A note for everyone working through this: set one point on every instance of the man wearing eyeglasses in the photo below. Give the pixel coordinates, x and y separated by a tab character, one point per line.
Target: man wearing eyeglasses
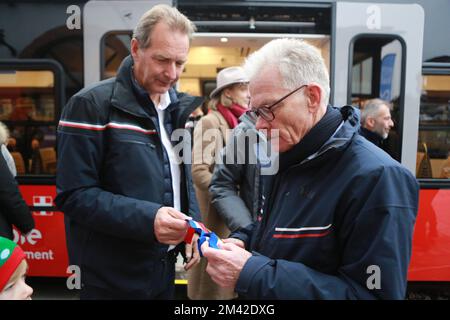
338	216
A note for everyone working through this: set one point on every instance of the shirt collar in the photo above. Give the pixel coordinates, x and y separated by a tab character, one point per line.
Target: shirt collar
164	101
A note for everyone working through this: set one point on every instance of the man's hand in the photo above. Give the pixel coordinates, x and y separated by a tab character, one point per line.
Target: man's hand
170	226
237	242
192	253
225	265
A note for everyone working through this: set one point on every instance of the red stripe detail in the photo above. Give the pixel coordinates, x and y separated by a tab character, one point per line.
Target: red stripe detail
304	235
114	126
72	125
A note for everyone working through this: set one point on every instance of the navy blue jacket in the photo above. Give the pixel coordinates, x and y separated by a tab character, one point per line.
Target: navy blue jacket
112	177
335	220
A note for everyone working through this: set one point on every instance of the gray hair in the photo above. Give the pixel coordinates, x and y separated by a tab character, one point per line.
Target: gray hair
4	134
161	12
224	100
298	62
371	108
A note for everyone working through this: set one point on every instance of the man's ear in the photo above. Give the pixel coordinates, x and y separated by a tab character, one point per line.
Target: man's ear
134	48
314	95
370	123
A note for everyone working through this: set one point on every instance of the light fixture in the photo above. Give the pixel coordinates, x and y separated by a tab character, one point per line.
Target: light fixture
223	39
251	23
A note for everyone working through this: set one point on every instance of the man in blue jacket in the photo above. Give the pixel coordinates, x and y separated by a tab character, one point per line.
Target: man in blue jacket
338	216
120	183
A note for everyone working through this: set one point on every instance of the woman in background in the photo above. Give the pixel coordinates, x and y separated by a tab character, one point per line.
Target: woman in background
228	102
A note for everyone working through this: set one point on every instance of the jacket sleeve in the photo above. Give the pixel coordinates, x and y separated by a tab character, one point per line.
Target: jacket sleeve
376	240
81	152
224	190
244	234
13	205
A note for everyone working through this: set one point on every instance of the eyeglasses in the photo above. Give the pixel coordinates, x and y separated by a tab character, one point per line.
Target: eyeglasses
265	111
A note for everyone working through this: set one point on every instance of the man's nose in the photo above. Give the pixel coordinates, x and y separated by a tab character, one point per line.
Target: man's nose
171	71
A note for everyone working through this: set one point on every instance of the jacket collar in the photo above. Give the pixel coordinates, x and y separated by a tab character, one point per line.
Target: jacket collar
344	120
344	134
373	137
130	97
313	140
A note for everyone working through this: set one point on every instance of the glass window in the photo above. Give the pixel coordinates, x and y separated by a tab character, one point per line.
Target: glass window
115	46
27	107
376	72
433	157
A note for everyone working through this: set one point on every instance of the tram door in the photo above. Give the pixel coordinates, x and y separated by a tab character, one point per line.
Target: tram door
378	54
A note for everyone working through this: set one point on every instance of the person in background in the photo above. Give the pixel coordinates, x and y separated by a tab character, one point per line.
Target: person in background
228	102
235	184
338	216
193	119
13	269
13	208
376	121
4	140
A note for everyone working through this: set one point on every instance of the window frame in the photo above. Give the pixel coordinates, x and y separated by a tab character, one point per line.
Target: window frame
431	69
59	98
401	103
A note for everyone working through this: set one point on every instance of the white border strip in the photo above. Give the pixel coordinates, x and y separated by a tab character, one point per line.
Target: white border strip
302	229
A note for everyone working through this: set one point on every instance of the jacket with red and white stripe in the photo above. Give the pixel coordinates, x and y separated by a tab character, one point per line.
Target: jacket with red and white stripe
112	177
336	225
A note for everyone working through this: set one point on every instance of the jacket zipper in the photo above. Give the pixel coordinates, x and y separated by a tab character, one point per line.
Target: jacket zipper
151	145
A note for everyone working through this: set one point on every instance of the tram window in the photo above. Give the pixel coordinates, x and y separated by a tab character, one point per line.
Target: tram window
27	107
433	152
115	47
376	72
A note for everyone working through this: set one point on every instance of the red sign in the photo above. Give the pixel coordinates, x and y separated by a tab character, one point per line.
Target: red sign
45	246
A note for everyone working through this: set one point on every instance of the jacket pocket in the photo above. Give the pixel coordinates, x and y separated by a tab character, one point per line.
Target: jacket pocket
149	144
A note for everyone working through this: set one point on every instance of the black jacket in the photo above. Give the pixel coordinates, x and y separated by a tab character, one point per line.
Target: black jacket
373	137
112	178
234	187
13	209
333	223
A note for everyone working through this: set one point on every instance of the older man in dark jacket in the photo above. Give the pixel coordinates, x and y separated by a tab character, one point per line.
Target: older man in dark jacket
338	217
120	184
